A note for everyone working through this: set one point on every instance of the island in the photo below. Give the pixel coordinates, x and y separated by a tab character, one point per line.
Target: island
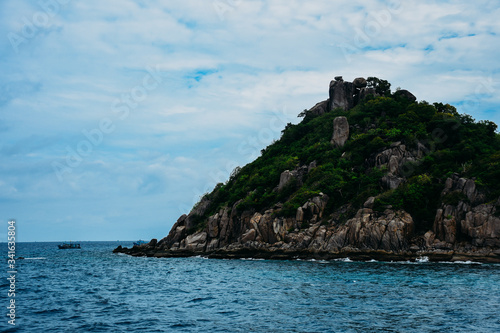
368	174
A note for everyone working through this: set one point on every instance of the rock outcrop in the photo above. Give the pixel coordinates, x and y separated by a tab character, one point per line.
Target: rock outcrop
319	109
359	82
340	131
346	95
405	94
341	94
395	159
464	217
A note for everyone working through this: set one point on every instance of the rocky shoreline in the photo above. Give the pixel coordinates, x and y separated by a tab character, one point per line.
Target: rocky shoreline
479	256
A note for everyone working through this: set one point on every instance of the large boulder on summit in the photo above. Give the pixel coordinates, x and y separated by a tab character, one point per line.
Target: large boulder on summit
359	82
341	95
340	131
405	94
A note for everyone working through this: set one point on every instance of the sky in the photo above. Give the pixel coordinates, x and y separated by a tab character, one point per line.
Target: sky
117	116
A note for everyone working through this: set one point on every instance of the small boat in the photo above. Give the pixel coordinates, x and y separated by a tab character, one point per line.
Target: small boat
140	242
64	246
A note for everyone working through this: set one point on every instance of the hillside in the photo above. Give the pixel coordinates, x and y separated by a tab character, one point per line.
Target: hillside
369	174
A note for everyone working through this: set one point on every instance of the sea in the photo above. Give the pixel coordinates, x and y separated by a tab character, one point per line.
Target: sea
93	290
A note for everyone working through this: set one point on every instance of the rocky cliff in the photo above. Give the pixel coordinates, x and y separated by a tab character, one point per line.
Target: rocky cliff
466	223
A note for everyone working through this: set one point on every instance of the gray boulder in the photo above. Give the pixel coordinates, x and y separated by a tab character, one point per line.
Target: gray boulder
359	82
340	131
341	95
406	94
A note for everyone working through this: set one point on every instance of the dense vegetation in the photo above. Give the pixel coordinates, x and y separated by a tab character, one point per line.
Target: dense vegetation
454	143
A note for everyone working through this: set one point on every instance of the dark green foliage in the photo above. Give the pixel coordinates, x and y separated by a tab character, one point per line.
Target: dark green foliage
454	198
382	87
450	143
199	223
419	196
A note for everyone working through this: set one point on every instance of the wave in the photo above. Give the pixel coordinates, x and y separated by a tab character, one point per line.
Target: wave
422	259
343	259
36	258
253	259
460	262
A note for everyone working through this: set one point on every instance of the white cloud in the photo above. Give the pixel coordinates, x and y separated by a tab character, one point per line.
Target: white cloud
225	76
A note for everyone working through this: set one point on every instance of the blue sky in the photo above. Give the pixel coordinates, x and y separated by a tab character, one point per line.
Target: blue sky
116	116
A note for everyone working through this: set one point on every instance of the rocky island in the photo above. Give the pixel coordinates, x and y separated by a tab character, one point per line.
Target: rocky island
367	174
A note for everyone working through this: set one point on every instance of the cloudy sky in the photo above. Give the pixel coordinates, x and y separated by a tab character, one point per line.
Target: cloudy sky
117	115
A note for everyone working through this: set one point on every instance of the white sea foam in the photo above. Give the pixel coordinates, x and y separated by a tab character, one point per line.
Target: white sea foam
468	262
343	259
422	259
36	258
252	259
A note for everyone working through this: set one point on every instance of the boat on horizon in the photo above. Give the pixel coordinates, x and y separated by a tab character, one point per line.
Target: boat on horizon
70	245
140	242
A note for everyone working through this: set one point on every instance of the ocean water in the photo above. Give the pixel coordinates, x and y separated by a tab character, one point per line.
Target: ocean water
94	290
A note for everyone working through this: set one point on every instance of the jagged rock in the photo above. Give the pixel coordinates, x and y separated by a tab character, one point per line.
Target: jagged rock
469	190
395	159
429	238
311	166
213	226
406	94
482	226
153	242
318	240
319	109
213	245
393	164
390	232
300	215
340	131
225	225
285	178
201	207
338	78
176	234
369	202
248	236
266	227
391	182
297	175
196	241
359	82
365	92
445	225
341	95
466	217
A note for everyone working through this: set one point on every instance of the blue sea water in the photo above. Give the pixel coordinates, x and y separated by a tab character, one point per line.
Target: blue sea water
94	290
